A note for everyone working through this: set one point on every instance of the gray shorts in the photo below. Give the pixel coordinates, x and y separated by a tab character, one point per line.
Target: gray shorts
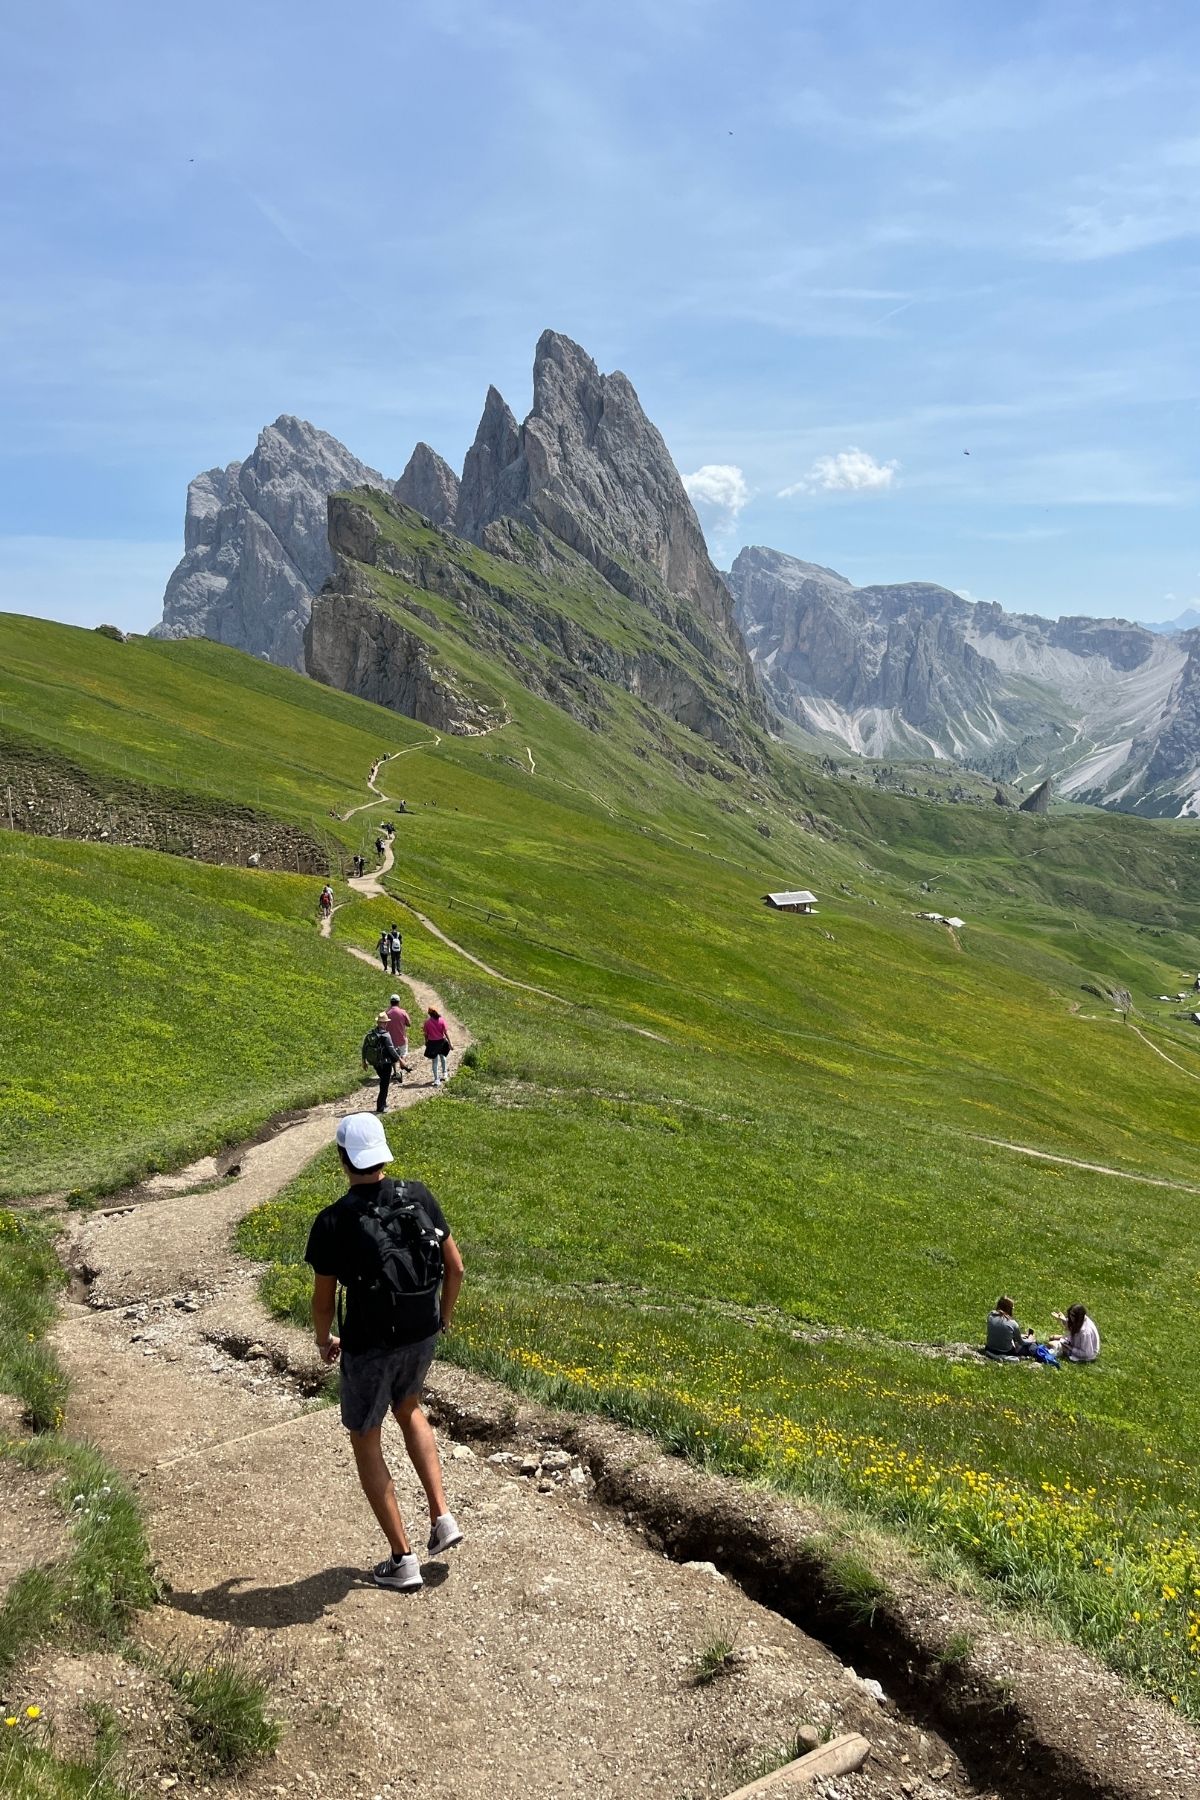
373	1381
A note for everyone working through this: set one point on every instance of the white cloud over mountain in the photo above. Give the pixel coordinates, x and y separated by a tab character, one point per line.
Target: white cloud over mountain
851	471
718	484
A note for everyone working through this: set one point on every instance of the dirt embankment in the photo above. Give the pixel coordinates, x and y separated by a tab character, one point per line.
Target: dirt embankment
52	797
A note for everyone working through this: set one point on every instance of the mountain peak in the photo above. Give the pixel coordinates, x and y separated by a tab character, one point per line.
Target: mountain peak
429	485
255	543
587	467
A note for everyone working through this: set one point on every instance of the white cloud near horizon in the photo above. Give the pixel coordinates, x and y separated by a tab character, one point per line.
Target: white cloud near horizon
851	471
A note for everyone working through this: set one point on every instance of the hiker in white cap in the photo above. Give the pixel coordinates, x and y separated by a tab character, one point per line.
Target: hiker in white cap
387	1245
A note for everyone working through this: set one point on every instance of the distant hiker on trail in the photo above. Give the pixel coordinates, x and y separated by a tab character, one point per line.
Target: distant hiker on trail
437	1044
1004	1335
1081	1341
383	949
379	846
326	900
396	948
398	1024
359	865
388	1245
379	1053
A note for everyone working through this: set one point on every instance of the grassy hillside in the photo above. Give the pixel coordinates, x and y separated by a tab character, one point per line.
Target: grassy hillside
737	1228
194	716
155	1009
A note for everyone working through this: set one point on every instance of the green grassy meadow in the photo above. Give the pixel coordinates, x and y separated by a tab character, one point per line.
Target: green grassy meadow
154	1009
738	1230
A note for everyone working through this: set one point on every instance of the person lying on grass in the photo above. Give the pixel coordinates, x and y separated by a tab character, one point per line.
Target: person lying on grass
1004	1335
388	1246
1081	1341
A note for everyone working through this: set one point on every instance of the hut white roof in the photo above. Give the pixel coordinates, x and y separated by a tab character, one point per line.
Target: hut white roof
801	897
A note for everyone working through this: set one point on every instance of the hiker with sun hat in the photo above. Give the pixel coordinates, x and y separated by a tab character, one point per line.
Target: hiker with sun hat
386	1244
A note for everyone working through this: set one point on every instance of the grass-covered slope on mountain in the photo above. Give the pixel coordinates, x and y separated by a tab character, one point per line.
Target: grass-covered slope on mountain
192	716
539	615
735	1228
155	1009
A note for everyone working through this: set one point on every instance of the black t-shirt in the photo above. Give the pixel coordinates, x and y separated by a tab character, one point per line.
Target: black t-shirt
339	1246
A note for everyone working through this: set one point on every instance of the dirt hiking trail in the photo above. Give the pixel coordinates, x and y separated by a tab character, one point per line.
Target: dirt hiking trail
549	1656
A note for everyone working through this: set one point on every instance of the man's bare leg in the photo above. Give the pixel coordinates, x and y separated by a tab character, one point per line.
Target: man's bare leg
422	1449
376	1479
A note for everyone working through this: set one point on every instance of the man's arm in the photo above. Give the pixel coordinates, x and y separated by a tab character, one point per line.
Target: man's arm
324	1295
452	1278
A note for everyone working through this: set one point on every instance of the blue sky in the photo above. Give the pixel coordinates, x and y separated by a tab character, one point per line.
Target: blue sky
834	247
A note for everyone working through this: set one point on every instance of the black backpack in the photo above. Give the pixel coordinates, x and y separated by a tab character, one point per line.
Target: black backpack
382	1054
411	1262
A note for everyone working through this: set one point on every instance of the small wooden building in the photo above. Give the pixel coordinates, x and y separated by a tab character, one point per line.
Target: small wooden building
801	901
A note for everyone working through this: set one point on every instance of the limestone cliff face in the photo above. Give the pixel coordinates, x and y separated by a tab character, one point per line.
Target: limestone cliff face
588	468
353	643
255	544
429	485
1110	708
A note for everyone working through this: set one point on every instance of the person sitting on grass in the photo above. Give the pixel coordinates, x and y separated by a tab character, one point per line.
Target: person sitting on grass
1081	1341
389	1246
1004	1335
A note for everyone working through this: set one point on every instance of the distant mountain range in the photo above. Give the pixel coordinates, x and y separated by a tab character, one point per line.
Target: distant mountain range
584	494
1110	709
1186	621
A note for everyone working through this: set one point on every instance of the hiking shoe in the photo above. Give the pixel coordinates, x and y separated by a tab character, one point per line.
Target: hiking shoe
403	1572
445	1534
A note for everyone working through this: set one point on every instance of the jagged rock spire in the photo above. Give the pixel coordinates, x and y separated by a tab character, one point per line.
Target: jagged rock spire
429	485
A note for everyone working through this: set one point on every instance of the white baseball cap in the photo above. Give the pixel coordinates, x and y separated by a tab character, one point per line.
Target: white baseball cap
361	1136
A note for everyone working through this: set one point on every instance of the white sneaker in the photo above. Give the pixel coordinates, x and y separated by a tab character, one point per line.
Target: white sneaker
445	1534
403	1572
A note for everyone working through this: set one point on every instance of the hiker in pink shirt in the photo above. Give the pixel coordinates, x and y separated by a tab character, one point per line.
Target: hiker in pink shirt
398	1024
437	1044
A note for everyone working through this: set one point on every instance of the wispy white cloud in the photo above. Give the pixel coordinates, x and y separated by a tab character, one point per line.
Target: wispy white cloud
851	471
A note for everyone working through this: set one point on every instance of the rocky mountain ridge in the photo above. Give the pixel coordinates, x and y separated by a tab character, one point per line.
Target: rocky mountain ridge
583	494
256	547
588	469
1110	708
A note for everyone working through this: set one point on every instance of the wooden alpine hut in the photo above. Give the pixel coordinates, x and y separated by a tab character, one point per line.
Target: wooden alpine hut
800	901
